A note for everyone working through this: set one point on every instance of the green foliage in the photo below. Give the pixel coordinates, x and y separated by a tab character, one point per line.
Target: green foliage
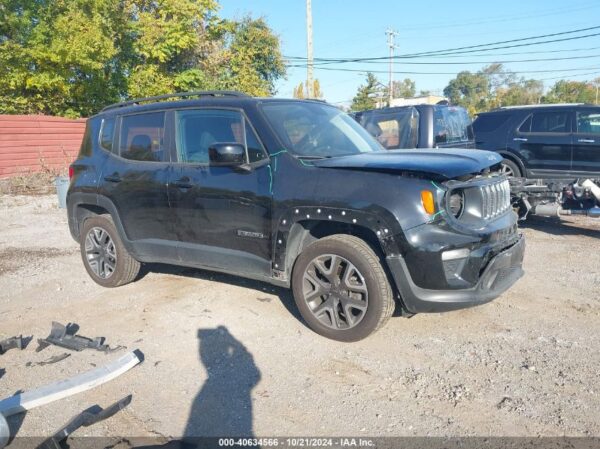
565	91
72	57
470	90
404	89
366	96
493	86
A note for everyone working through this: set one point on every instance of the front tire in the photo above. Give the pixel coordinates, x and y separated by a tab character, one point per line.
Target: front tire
104	256
341	288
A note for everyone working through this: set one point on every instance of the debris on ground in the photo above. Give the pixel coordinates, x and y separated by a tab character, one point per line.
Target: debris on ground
64	388
14	343
86	418
65	337
50	361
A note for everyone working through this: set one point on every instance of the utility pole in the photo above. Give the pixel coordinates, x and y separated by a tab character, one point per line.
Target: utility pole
391	34
309	50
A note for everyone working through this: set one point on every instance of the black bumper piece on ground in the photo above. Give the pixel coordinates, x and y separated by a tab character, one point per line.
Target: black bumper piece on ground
499	275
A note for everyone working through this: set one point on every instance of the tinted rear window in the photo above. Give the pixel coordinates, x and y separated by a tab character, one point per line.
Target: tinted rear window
450	124
142	137
488	123
397	129
546	122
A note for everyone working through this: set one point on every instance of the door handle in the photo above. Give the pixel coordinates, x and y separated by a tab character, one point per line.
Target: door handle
520	139
115	177
183	183
586	140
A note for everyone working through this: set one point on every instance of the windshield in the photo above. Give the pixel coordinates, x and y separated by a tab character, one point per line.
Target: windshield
317	130
450	124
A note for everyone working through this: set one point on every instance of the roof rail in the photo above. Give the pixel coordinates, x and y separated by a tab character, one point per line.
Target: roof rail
541	105
201	93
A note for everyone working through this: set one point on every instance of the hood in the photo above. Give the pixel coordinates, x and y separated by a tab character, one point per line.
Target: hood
445	163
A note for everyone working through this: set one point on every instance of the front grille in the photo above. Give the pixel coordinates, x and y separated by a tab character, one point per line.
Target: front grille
495	199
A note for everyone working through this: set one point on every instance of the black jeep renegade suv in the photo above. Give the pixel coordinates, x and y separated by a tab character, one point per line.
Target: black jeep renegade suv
295	193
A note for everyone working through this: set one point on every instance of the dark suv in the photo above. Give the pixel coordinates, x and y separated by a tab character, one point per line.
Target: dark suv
543	141
419	126
297	194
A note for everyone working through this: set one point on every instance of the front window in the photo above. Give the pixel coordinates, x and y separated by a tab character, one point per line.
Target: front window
588	122
316	130
198	129
450	124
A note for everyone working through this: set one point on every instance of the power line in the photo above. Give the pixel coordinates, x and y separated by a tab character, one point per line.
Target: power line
471	48
341	69
472	62
445	25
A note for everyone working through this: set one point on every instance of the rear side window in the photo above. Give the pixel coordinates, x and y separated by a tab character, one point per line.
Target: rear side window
489	122
393	130
142	137
198	129
546	122
450	124
588	122
107	133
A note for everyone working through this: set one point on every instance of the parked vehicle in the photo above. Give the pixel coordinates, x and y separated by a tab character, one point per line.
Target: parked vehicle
419	126
556	148
543	141
295	193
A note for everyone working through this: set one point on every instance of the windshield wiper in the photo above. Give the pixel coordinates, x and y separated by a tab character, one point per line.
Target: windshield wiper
313	157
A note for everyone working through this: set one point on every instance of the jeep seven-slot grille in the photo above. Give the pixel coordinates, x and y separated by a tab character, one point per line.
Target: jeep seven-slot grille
495	199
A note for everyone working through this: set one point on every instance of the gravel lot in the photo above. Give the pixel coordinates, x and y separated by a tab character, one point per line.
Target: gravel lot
227	355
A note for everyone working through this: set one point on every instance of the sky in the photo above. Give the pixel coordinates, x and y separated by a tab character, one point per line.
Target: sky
351	29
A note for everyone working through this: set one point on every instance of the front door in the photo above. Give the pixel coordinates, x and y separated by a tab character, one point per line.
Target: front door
134	178
222	214
586	145
544	143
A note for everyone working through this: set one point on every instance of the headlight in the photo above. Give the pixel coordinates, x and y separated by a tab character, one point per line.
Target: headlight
456	203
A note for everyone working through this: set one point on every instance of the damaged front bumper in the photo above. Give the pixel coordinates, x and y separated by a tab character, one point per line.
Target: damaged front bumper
500	273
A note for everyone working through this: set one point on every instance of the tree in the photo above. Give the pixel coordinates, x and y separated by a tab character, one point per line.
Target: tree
365	97
565	91
71	57
404	89
519	93
301	92
470	90
254	57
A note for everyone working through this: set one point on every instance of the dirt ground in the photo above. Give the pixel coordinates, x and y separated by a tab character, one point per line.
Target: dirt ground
225	355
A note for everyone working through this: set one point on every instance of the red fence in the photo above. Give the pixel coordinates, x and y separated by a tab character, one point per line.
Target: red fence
30	143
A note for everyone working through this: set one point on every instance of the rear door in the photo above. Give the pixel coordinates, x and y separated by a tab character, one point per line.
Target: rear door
544	141
135	178
586	145
222	214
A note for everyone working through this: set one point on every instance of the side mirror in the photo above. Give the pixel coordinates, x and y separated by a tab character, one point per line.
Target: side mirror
227	154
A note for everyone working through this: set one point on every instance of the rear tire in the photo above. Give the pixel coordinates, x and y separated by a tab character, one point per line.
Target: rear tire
341	288
510	169
104	256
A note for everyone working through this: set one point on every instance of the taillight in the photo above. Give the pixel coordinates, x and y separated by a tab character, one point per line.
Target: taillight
71	172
